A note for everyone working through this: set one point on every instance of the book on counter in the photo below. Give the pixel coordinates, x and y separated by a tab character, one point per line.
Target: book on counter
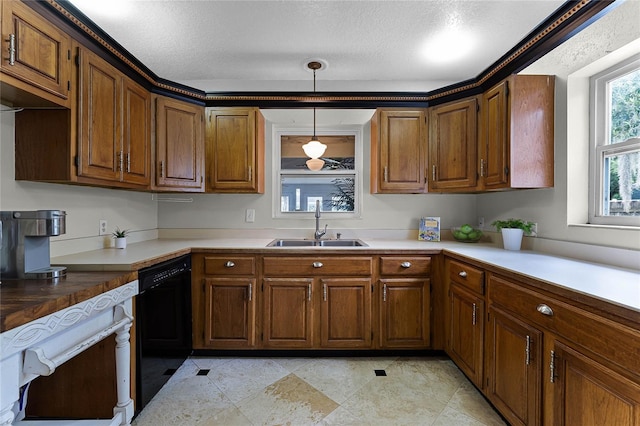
429	229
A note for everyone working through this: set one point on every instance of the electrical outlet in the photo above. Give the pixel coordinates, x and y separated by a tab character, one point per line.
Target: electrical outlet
481	222
534	230
103	227
250	215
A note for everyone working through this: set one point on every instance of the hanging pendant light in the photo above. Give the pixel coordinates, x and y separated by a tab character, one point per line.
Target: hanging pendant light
314	148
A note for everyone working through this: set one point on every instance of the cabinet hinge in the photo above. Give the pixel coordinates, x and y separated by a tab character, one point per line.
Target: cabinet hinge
78	60
372	288
506	171
506	88
75	161
68	85
68	54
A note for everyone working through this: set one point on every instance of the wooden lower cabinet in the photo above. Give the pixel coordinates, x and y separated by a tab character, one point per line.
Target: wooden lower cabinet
587	393
405	309
287	313
514	368
466	332
345	313
223	301
230	312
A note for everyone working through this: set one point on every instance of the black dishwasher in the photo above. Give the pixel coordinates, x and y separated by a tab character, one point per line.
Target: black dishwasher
163	325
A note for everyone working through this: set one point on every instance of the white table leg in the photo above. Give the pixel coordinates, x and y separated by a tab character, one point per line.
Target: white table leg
123	371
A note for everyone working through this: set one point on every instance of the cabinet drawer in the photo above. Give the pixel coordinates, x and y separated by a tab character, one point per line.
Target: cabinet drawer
604	337
229	265
405	265
317	265
467	276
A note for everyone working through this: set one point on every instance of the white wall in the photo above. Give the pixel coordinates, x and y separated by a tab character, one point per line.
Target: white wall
379	212
549	207
400	213
85	206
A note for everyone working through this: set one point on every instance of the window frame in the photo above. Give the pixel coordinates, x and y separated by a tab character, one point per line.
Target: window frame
599	148
357	172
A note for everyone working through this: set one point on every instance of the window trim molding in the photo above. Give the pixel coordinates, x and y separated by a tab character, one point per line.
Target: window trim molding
356	131
598	135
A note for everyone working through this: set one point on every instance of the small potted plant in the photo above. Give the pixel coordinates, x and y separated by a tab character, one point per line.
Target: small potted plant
120	235
512	231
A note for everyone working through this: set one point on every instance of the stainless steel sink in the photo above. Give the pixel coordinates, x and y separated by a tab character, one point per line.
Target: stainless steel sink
342	243
313	243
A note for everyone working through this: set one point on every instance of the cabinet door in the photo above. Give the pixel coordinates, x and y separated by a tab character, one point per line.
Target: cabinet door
179	145
514	370
235	150
41	52
453	145
494	152
100	138
466	332
405	313
345	313
399	145
136	134
588	393
229	313
288	309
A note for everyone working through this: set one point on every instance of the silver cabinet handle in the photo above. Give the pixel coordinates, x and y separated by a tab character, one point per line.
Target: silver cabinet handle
12	49
229	264
433	172
406	264
463	274
386	176
250	173
481	167
552	367
128	162
309	292
384	292
527	351
317	264
545	310
162	168
250	292
324	292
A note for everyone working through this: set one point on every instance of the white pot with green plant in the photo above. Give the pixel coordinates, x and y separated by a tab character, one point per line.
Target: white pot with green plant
120	237
512	231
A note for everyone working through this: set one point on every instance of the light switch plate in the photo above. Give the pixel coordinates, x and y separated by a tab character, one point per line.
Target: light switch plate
250	215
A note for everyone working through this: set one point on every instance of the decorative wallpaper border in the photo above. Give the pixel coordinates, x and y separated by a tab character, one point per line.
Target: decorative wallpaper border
525	47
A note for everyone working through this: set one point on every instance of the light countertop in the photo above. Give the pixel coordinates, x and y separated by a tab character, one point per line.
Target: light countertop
614	285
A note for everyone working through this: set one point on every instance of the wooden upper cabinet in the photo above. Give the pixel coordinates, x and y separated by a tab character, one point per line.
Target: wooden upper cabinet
99	108
517	134
398	151
179	146
114	134
136	134
35	54
453	145
235	150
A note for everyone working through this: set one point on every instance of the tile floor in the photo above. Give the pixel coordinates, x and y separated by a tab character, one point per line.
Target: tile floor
318	391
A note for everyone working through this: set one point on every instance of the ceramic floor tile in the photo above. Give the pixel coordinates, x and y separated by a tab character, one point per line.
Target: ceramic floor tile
396	400
318	391
184	401
452	417
338	378
468	400
287	401
243	377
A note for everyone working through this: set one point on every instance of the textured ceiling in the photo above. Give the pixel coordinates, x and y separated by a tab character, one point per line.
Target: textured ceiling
216	45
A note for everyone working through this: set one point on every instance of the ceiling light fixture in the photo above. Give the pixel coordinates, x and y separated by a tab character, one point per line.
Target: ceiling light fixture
314	148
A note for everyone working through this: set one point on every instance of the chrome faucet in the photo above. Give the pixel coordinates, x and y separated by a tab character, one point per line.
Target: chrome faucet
319	233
